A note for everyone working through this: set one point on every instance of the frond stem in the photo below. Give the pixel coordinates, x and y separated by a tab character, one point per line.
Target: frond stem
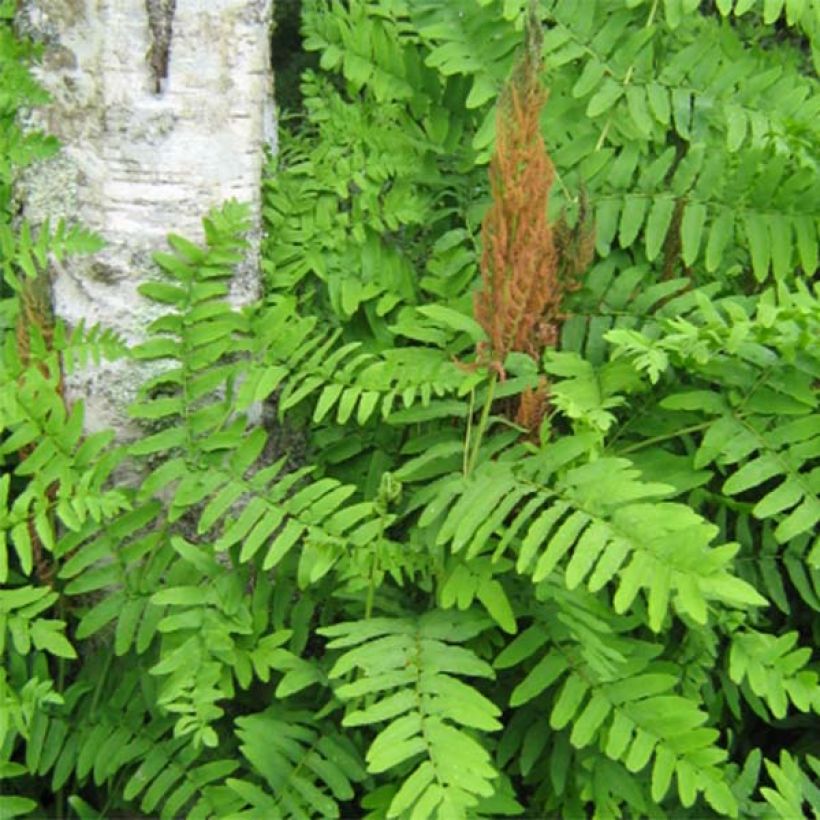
109	656
665	437
482	425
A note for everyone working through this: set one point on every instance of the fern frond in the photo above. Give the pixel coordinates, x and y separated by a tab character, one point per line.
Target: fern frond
775	670
793	788
409	670
739	345
617	696
121	739
363	46
65	474
342	380
612	526
479	45
304	767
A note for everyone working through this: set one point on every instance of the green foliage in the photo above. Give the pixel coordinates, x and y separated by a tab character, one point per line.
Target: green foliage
384	599
403	666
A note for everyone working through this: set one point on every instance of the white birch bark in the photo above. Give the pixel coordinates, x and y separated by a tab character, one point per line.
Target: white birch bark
144	155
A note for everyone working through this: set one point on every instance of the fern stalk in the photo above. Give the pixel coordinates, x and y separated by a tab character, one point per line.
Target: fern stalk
519	300
474	442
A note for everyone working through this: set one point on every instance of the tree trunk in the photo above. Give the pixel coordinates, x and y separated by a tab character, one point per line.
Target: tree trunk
163	108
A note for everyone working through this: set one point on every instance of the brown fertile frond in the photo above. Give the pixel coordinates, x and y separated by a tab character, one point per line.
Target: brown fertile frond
575	246
533	405
526	265
519	263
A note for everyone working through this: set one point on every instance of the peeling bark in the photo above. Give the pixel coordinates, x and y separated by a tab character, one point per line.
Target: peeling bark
164	108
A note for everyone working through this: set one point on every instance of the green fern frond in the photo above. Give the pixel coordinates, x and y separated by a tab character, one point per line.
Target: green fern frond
794	790
304	767
624	702
363	45
744	432
775	670
65	473
119	740
479	45
612	526
409	670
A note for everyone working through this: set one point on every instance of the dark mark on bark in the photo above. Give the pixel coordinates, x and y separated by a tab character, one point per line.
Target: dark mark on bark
161	27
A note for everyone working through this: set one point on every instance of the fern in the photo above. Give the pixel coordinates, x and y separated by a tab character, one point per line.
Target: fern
356	570
630	709
408	682
732	344
304	772
773	671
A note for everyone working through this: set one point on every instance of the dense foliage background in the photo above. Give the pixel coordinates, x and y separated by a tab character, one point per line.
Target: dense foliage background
579	578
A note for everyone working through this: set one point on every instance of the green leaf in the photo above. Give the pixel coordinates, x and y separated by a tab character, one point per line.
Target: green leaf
752	474
12	806
559	545
632	217
733	591
399	742
659	598
691	599
163	292
100	615
589	547
657	225
620	734
658	97
606	223
181	596
682	111
536	533
805	229
640	751
636	99
127	624
48	635
691	230
736	124
412	788
543	675
662	772
590	77
159	442
521	648
782	497
607	95
721	231
771	10
566	705
492	596
781	245
802	519
585	726
455	320
719	796
757	235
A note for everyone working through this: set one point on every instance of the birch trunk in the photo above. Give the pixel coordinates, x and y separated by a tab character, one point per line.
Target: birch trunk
163	109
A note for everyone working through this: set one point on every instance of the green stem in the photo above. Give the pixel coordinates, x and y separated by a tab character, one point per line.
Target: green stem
482	425
109	656
374	566
468	439
371	586
665	437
